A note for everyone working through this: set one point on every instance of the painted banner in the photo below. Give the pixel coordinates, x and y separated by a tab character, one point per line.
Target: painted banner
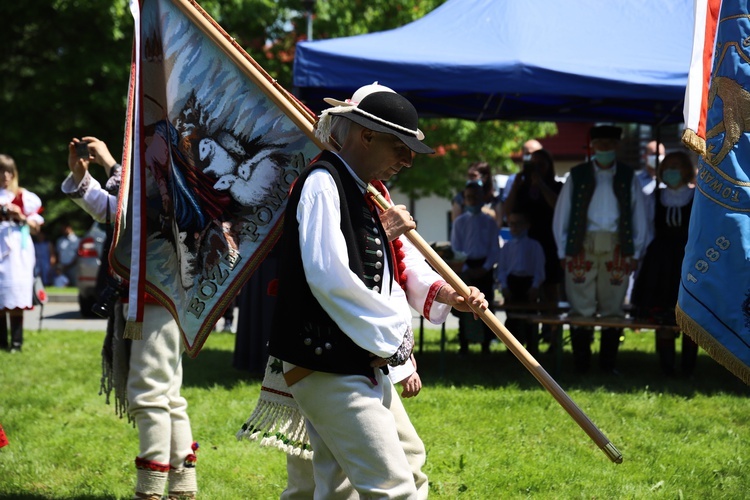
714	300
215	144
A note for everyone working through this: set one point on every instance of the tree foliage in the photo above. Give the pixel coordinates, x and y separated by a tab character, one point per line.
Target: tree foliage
65	67
66	63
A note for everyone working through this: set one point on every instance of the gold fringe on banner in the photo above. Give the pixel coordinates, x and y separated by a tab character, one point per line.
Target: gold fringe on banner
133	330
712	346
694	141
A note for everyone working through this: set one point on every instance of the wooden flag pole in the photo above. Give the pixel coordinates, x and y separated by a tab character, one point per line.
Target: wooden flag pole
503	334
304	119
299	114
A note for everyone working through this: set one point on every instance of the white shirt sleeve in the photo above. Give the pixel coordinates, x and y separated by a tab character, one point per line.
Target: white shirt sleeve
377	322
641	231
32	204
399	373
561	217
90	196
422	284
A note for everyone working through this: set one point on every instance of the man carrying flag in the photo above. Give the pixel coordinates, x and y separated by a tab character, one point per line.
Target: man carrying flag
350	318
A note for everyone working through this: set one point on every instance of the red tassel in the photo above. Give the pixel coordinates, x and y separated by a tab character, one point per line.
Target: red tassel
3	438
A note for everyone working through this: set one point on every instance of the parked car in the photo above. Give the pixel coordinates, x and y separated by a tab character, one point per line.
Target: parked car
89	260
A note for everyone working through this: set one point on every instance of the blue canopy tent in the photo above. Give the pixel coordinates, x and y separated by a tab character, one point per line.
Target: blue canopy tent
573	60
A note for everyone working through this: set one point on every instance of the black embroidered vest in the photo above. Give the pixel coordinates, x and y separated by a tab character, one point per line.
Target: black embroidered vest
302	332
584	182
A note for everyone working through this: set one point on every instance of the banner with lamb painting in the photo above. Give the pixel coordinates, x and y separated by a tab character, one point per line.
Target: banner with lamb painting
213	146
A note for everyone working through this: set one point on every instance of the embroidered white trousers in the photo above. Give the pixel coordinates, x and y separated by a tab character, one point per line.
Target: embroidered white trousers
354	436
301	482
154	382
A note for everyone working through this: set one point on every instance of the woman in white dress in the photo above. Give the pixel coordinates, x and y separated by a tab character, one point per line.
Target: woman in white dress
19	218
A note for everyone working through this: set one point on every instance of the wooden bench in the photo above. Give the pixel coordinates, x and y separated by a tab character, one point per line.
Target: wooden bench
556	314
563	319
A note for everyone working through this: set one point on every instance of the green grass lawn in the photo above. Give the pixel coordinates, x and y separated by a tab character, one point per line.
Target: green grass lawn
490	429
62	290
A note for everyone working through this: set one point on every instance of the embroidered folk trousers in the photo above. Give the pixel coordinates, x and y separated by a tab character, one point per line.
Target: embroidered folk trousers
154	382
354	436
596	282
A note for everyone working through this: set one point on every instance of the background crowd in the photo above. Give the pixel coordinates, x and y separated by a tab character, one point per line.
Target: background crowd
602	242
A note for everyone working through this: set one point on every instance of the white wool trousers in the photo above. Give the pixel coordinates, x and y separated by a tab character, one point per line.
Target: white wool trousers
154	382
597	279
300	478
354	436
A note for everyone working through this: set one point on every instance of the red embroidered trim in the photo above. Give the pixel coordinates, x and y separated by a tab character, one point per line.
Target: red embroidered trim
274	391
431	295
143	464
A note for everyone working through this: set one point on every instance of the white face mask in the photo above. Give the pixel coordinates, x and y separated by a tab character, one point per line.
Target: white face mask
526	157
651	160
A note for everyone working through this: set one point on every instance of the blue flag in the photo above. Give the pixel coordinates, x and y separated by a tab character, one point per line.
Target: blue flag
714	299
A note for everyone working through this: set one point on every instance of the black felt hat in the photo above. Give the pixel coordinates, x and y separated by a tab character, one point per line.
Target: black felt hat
389	113
605	132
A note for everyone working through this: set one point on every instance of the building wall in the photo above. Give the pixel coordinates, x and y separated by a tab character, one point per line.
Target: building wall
432	215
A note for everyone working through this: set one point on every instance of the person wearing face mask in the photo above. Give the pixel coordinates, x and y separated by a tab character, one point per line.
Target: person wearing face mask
656	287
529	147
481	173
457	203
535	194
520	272
600	228
647	175
474	233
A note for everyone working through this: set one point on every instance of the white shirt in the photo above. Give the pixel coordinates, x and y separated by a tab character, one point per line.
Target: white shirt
375	320
603	212
90	196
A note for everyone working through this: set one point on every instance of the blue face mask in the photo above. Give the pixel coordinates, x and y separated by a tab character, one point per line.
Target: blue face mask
605	157
473	209
671	178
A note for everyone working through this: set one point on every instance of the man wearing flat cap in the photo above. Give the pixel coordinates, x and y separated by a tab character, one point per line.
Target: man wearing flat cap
600	227
342	316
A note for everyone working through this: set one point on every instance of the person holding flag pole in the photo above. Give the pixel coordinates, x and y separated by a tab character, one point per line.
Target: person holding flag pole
375	150
335	263
145	374
276	421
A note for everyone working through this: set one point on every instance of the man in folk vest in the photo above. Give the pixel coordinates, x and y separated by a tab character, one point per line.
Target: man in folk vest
600	227
341	316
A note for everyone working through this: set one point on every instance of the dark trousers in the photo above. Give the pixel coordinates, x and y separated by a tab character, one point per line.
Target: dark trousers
581	338
665	347
229	313
525	332
16	331
485	284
